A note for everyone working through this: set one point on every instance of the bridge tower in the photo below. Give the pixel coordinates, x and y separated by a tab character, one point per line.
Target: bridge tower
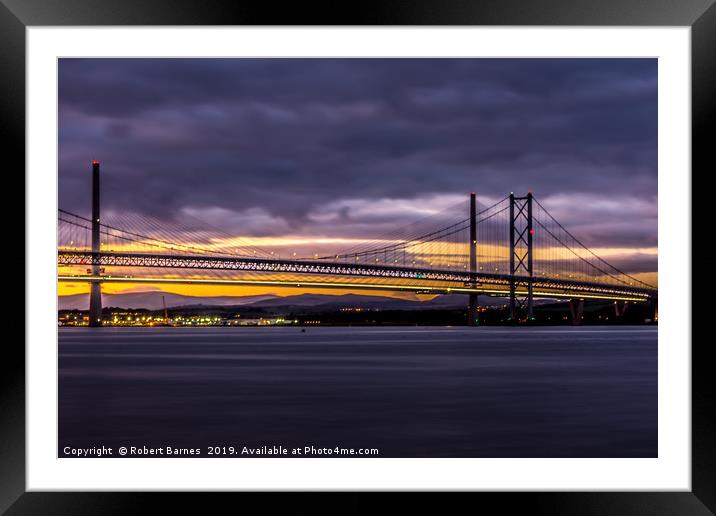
95	305
472	313
521	232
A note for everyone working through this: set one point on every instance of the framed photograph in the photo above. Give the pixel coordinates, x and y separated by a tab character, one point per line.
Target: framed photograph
422	252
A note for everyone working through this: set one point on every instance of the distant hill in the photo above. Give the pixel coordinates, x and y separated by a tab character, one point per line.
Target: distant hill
321	302
153	301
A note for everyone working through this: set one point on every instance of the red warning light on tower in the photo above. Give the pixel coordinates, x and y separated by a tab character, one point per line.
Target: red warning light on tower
95	162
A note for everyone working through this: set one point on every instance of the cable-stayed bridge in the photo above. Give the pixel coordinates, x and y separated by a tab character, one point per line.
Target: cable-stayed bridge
511	247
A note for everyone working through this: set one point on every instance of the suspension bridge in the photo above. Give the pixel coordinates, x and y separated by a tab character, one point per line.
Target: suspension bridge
510	247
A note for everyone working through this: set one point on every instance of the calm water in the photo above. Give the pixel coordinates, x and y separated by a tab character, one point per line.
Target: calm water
410	392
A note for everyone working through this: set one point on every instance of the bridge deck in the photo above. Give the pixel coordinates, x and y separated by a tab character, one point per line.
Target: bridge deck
346	274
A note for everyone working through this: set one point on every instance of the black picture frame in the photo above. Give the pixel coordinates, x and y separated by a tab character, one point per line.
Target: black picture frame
700	15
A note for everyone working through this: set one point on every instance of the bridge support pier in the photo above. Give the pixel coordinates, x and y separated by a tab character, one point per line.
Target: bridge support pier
619	309
654	309
473	318
95	305
576	307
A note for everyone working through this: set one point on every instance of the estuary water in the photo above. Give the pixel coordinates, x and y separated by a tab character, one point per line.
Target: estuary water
403	391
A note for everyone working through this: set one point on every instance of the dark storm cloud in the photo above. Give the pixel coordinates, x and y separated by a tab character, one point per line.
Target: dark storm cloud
281	139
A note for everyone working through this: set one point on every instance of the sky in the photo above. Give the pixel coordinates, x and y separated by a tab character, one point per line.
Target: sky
304	149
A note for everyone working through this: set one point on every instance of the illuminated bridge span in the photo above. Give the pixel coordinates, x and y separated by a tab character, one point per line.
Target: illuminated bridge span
511	247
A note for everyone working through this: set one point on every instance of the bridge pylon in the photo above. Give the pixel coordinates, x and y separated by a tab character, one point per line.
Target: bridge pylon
521	233
95	305
472	312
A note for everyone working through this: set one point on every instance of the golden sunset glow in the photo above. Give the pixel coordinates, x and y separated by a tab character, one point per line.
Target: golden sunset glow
65	288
